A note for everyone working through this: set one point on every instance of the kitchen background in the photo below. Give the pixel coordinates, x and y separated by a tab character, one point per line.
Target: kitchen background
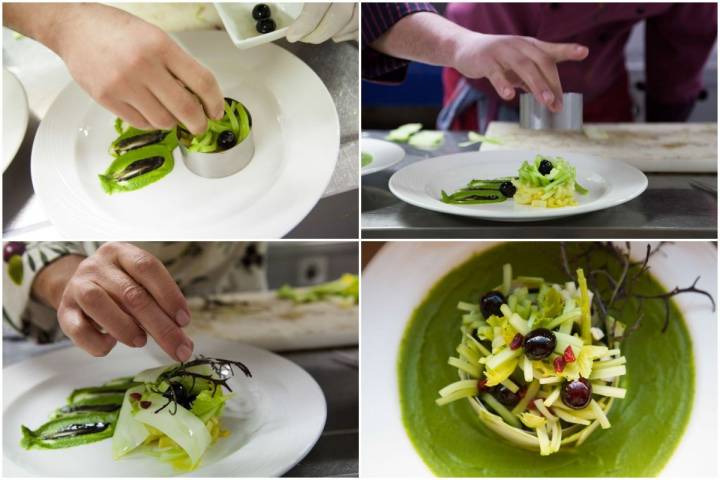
386	107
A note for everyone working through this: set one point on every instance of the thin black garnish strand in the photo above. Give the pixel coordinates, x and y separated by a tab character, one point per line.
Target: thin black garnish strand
610	293
221	367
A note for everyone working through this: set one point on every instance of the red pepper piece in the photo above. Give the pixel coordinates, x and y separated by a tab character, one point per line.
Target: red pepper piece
517	341
135	396
559	364
482	385
145	404
569	355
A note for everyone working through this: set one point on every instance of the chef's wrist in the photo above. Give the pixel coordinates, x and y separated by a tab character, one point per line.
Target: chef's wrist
456	48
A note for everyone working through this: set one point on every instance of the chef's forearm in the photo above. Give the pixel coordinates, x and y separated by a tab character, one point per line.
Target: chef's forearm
40	21
423	37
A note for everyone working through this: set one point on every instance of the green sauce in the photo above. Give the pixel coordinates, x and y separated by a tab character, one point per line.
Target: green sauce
646	425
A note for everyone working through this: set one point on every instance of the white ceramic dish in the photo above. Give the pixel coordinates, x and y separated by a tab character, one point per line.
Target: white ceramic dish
609	182
15	116
239	24
385	154
402	273
275	436
296	139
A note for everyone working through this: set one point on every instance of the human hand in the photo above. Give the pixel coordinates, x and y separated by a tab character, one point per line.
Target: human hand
318	22
121	293
134	69
510	61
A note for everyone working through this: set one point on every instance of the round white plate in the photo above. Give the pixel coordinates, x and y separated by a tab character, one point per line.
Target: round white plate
288	416
385	154
15	116
296	134
412	268
609	182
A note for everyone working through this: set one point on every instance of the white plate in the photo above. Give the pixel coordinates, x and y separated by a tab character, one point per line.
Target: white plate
399	278
239	24
296	134
610	183
385	154
15	116
287	420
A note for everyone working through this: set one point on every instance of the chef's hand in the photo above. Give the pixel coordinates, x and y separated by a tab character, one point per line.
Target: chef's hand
510	62
121	293
319	22
127	65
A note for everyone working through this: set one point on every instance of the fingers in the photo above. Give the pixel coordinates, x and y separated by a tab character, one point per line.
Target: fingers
182	104
152	275
310	17
198	79
128	113
562	52
76	326
530	74
154	111
98	306
548	68
142	307
501	84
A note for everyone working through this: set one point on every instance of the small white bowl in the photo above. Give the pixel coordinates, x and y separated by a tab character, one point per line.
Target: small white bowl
239	24
221	164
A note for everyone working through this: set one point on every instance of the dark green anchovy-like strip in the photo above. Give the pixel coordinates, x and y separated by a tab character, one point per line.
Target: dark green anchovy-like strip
70	431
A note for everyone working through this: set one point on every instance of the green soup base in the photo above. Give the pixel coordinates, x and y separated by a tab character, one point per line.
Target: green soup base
646	426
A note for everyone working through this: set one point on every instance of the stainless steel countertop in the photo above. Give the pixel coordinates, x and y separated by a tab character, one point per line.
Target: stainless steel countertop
669	208
336	452
43	76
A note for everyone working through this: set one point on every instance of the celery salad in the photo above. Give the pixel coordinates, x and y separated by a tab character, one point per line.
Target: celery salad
533	366
171	412
547	182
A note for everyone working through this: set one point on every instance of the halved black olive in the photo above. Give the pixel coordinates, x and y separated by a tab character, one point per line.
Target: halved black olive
491	302
140	167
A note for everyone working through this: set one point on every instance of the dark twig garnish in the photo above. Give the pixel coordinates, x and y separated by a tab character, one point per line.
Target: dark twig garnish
176	392
614	282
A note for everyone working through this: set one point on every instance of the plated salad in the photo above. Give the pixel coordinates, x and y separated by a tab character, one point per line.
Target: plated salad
142	157
547	182
171	412
532	365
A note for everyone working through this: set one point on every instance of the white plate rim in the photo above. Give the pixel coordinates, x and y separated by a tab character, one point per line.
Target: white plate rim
486	211
72	354
14	141
89	223
376	142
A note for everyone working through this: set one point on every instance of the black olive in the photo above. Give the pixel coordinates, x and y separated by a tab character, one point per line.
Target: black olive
545	167
577	393
11	249
505	396
226	140
539	343
265	26
507	189
261	11
490	304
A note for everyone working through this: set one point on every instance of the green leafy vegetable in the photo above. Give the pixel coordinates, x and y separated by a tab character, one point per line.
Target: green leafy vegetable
137	168
346	287
404	132
427	140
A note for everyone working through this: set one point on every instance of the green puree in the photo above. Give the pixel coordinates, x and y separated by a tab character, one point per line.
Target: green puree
646	425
